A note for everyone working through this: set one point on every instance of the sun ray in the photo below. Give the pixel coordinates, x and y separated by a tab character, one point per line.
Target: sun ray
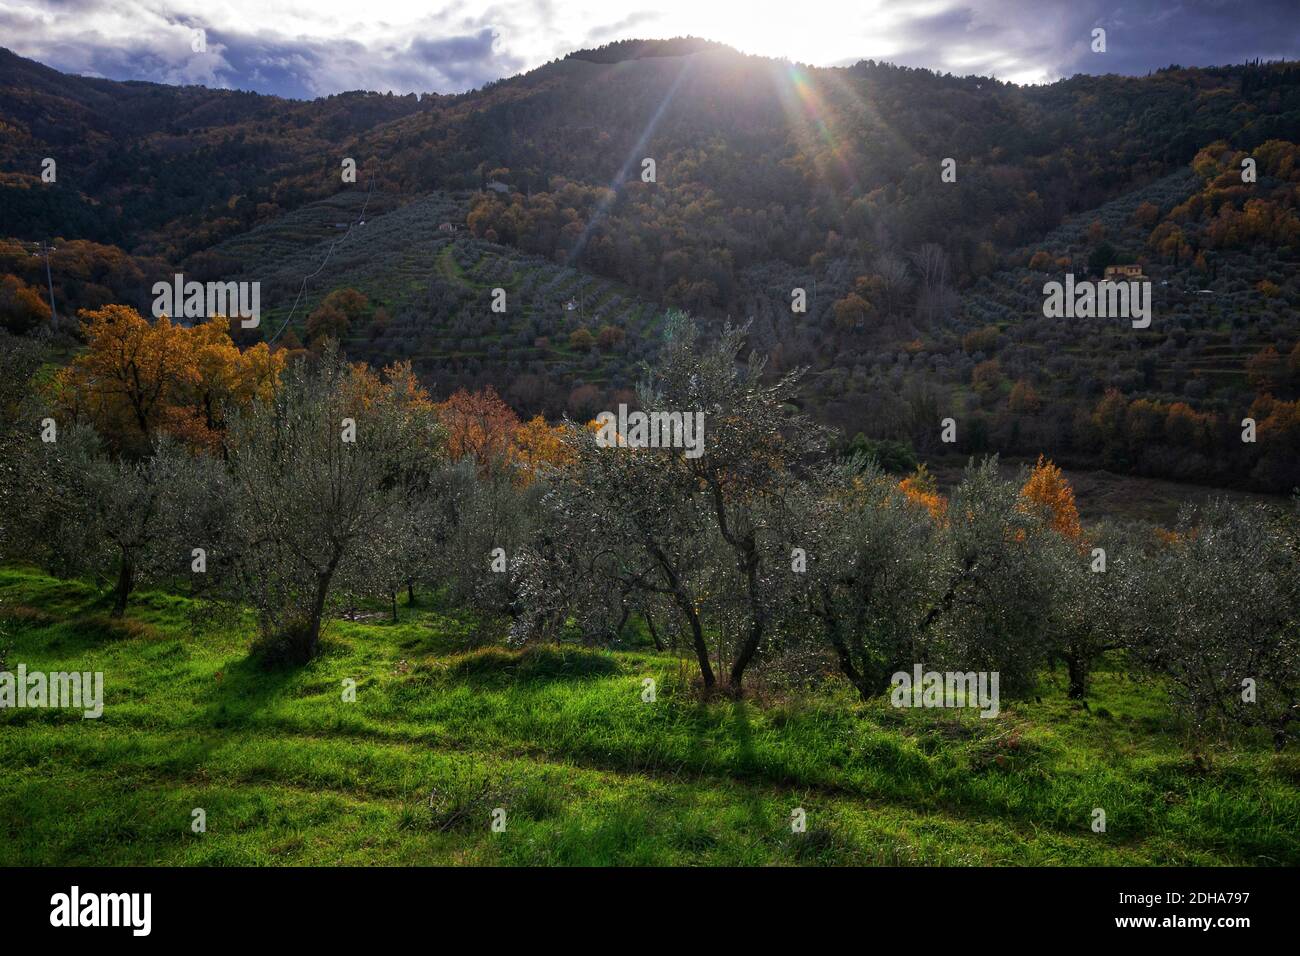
637	151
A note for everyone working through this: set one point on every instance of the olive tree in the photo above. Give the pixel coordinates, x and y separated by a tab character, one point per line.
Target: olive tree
408	537
1091	589
893	584
129	520
754	450
1217	616
991	592
154	513
317	475
693	517
484	520
615	519
870	554
21	420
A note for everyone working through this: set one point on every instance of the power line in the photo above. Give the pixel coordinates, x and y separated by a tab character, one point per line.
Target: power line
54	316
328	252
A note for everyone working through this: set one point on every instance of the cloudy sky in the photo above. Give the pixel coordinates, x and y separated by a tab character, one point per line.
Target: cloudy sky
305	48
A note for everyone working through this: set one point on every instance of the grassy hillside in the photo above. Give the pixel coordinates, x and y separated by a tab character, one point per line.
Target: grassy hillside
441	733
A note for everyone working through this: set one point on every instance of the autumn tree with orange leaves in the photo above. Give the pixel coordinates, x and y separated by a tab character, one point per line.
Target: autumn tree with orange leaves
139	379
538	445
1048	490
921	488
480	425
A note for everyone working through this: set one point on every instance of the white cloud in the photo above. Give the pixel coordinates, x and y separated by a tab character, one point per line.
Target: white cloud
307	49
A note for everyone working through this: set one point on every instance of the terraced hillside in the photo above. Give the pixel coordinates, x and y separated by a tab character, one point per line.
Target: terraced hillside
418	262
1203	328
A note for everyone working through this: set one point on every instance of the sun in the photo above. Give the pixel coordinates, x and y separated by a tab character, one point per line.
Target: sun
784	30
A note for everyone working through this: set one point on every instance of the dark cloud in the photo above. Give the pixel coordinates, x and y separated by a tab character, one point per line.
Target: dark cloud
461	59
1054	37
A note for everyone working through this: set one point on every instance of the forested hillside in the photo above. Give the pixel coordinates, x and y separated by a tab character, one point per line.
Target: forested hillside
923	295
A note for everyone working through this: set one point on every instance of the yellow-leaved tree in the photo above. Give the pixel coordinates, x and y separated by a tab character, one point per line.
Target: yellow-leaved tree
538	445
1047	488
921	488
137	379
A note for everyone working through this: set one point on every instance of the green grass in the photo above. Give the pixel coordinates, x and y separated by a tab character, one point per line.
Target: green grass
442	733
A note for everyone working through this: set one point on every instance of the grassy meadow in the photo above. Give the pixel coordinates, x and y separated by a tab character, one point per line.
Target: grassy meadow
443	732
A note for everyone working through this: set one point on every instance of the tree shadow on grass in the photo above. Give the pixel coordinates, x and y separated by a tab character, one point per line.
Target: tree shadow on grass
538	664
245	688
747	767
72	629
